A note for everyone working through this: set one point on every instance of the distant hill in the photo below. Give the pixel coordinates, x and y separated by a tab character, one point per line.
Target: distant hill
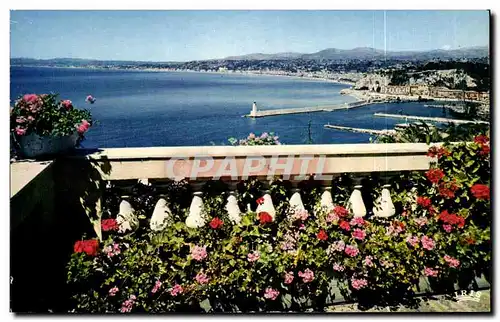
332	54
260	56
81	62
366	53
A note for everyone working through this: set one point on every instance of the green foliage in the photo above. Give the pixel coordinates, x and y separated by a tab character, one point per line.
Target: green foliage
423	132
46	116
252	139
372	259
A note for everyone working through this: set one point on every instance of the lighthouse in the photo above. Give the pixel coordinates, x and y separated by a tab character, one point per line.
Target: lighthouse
253	113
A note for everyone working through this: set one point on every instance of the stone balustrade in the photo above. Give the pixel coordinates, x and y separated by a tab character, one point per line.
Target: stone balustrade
78	180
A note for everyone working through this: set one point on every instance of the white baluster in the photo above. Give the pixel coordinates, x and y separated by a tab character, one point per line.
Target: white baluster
232	209
296	201
195	218
384	203
267	206
356	204
161	216
327	200
126	218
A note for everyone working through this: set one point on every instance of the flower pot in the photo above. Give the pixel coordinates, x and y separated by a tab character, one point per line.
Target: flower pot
34	145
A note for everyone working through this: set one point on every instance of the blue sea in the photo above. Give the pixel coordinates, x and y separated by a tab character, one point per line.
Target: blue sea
140	108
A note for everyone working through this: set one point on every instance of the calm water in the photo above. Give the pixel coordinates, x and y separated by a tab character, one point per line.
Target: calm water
137	109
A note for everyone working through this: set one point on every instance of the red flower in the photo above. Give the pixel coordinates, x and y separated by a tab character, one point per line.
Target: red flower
481	139
480	191
340	211
447	193
424	201
78	247
322	235
439	152
89	247
345	225
399	224
451	219
216	223
264	217
434	175
109	224
485	150
470	241
260	201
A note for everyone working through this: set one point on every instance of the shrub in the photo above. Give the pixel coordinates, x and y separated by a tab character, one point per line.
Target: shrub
44	115
441	232
252	139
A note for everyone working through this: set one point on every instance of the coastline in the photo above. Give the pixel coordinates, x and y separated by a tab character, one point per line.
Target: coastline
159	70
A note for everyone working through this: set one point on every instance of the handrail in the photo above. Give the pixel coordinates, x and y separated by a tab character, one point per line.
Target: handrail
243	151
325	159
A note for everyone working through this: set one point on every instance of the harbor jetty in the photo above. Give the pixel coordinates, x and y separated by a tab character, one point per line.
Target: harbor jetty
427	118
254	113
358	130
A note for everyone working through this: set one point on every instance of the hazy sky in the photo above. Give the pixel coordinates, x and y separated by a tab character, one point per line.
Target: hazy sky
191	35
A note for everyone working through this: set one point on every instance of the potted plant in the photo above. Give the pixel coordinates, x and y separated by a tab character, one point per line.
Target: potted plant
44	125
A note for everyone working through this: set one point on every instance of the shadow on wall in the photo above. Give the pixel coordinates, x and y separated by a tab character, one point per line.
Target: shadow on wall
43	242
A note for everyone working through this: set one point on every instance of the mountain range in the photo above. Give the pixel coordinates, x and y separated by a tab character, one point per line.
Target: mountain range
365	53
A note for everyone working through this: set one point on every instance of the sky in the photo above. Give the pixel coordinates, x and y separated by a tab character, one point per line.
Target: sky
197	35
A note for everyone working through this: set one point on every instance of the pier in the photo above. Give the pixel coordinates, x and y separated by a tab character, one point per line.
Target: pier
358	130
256	113
427	118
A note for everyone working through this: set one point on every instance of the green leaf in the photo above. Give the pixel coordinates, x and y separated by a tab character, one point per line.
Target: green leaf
205	305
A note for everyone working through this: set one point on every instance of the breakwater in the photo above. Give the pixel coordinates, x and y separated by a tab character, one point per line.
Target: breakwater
358	130
427	118
263	113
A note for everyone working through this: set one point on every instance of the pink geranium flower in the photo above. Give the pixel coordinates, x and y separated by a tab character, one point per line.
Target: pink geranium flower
127	305
271	293
20	131
351	250
447	228
156	287
113	291
202	278
289	277
82	128
307	275
332	217
412	240
177	289
199	253
427	243
358	283
431	272
338	246
67	104
359	234
337	267
368	261
301	214
357	221
421	221
452	262
253	256
30	98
